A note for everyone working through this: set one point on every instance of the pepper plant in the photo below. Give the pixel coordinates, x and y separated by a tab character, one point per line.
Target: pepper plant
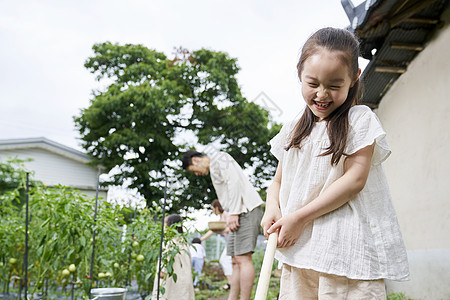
60	242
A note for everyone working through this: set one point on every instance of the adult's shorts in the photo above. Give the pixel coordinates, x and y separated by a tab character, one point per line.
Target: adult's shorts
243	240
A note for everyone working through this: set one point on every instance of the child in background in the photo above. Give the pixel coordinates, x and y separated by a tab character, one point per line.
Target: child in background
225	260
183	287
198	255
338	233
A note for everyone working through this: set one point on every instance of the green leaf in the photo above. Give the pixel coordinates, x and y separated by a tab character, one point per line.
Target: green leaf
147	277
45	222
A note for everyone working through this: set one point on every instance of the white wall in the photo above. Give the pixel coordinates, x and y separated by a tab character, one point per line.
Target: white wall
416	116
53	169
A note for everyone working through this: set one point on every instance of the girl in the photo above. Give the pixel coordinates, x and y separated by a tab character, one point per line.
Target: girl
338	232
183	287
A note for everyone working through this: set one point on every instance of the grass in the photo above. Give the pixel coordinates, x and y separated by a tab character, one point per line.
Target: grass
397	296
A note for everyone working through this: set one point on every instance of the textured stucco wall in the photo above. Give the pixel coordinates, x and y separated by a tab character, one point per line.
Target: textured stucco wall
416	116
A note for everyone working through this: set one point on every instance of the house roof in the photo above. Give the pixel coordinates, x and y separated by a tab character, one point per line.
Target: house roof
43	143
392	33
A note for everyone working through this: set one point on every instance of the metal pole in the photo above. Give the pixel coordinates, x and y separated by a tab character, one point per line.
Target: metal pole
93	234
26	237
162	237
74	278
129	254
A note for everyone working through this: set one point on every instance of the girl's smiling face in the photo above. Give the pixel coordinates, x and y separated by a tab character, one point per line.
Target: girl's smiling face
326	81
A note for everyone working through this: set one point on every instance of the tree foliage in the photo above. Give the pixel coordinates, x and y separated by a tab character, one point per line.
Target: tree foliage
153	108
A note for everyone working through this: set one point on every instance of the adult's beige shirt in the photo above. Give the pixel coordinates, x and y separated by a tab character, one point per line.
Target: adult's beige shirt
233	188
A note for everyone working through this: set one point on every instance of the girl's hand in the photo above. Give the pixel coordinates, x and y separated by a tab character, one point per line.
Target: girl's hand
271	215
290	228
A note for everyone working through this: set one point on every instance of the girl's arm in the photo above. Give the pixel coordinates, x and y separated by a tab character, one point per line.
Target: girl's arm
356	171
226	230
272	213
210	233
207	235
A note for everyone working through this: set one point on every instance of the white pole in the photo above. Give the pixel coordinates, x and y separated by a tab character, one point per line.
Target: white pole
266	269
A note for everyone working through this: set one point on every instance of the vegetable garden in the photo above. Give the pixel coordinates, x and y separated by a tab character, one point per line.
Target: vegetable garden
62	249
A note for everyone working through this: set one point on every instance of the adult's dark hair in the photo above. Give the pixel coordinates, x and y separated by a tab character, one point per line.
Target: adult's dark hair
175	219
217	204
187	157
344	42
196	241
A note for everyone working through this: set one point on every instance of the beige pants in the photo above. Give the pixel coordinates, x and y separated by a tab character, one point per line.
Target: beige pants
298	284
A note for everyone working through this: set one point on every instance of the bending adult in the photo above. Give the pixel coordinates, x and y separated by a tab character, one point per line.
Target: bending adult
243	204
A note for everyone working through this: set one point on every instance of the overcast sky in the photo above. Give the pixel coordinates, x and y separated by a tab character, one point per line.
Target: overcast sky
44	44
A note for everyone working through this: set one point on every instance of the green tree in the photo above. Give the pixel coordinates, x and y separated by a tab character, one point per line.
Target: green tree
138	124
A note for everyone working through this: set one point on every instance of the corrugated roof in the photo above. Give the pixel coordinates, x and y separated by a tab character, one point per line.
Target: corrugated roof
392	33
